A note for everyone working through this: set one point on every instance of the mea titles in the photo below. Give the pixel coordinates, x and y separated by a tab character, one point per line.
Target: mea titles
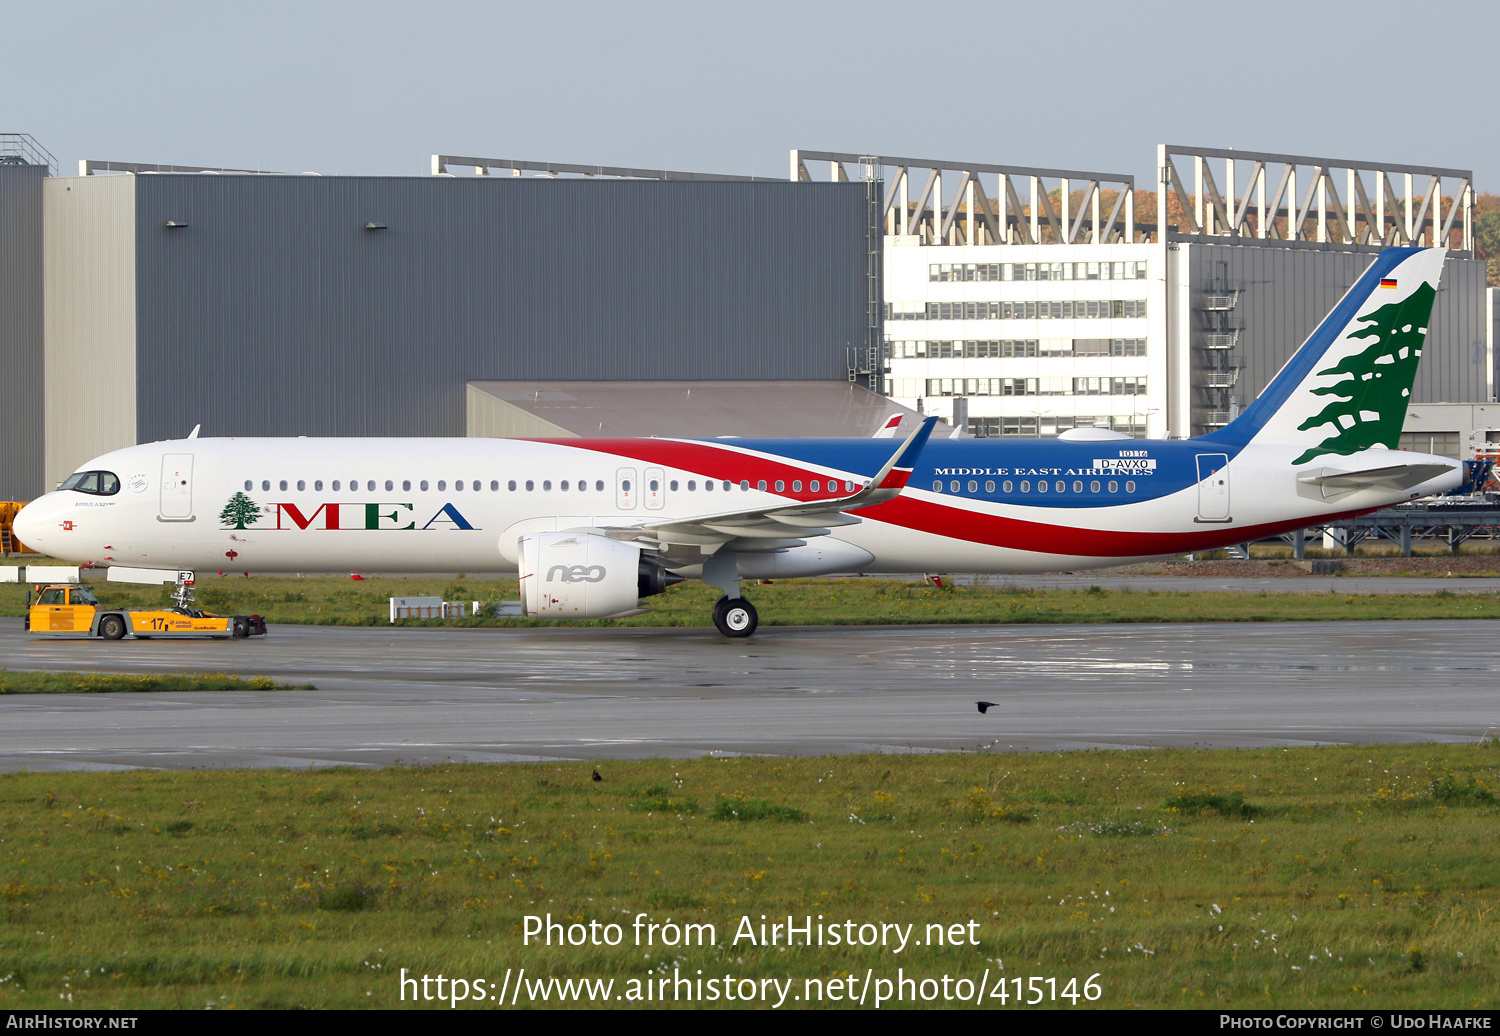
647	932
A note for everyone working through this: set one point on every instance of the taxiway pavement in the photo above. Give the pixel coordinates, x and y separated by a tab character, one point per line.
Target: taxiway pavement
387	695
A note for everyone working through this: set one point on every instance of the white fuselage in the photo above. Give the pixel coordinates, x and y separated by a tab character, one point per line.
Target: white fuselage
422	505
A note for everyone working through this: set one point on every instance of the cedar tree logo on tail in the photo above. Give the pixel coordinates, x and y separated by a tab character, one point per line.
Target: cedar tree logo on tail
1376	381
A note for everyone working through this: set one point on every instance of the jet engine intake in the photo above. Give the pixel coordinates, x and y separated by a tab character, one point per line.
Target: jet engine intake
568	575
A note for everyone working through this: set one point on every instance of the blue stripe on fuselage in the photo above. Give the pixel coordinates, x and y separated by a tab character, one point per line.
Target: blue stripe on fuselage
983	461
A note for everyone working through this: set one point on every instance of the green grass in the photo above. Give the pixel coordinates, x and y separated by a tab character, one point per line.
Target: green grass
328	600
1269	878
107	683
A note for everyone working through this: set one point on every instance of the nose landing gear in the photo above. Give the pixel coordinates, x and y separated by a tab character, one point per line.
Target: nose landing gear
735	617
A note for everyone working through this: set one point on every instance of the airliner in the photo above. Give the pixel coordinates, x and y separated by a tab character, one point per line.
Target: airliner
591	526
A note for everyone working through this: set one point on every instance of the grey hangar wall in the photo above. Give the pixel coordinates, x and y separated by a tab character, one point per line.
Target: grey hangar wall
271	309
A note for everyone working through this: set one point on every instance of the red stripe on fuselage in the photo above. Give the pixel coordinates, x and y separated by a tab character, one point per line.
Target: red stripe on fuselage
977	527
714	462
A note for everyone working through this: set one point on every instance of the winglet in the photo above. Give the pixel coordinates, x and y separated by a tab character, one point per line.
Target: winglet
898	469
891	479
888	430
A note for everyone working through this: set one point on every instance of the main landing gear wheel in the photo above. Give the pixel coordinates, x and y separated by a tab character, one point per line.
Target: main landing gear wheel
735	617
111	627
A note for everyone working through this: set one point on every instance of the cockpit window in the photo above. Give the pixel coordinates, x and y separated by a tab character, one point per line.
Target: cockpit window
98	483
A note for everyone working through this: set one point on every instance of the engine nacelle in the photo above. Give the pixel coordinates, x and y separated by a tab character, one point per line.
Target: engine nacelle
568	575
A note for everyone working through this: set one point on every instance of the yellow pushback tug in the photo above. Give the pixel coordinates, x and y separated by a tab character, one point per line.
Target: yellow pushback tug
72	610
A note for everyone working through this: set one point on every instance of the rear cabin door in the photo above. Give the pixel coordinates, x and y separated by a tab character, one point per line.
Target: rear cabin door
1213	487
176	487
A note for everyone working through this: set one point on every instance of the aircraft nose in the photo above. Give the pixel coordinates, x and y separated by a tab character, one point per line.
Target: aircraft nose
31	523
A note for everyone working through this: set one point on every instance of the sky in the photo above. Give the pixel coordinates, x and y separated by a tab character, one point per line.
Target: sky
375	88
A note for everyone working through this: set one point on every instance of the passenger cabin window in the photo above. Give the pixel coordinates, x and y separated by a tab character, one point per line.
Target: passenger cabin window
423	485
282	485
248	485
530	485
495	486
547	485
511	485
335	485
458	487
1130	487
265	485
693	485
937	487
370	485
406	485
672	485
301	486
442	485
389	485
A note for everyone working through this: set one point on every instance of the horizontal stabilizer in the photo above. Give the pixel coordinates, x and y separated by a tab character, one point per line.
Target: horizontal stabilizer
1392	476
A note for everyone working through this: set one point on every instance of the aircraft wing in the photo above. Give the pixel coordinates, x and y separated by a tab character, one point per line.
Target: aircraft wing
783	525
1392	476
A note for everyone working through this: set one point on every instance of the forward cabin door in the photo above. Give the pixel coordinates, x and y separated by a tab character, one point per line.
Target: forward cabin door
176	487
1213	487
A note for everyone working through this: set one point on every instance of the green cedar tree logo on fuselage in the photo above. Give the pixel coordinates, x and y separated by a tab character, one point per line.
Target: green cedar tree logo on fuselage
1371	405
239	512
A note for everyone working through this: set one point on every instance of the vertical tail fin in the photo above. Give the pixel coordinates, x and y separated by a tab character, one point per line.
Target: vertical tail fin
1348	387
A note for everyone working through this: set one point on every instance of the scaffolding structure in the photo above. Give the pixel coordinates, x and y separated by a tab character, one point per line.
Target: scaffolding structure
24	149
1383	204
984	205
